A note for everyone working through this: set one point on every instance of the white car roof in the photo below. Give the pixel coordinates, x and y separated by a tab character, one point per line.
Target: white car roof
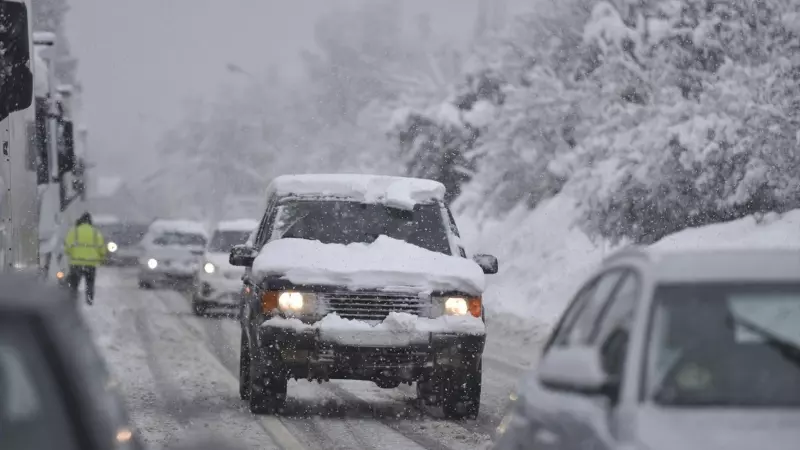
237	225
185	226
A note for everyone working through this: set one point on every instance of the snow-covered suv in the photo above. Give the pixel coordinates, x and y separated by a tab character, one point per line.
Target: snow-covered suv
361	277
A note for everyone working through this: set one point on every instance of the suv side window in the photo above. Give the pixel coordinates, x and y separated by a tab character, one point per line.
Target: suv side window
559	335
612	329
606	283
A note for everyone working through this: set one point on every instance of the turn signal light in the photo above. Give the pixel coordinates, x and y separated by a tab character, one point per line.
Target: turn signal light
269	301
474	306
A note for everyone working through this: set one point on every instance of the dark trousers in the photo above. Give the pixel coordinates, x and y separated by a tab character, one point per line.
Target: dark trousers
74	279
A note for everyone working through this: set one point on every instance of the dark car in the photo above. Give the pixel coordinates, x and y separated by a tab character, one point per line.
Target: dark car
122	241
55	390
361	278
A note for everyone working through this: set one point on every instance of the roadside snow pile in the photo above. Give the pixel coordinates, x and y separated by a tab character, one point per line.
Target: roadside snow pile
541	257
386	263
773	231
396	329
397	192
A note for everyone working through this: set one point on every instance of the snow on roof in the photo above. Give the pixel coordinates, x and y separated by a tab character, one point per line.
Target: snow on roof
398	192
107	186
105	219
237	225
386	263
183	226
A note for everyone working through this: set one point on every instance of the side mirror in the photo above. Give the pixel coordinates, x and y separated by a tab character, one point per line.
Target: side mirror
17	89
242	256
576	369
488	263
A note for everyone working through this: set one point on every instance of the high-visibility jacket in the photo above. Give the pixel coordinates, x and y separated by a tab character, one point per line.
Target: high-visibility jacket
85	246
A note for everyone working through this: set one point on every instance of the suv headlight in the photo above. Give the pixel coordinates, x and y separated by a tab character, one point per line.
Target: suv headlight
112	247
457	305
209	268
291	302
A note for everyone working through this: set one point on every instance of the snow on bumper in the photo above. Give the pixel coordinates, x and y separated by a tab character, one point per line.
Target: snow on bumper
397	330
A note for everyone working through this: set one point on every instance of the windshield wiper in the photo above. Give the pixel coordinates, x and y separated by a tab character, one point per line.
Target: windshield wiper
787	348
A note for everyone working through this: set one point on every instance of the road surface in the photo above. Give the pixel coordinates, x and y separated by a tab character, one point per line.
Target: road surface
179	375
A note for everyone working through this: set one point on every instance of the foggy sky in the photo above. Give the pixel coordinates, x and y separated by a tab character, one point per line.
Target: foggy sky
140	60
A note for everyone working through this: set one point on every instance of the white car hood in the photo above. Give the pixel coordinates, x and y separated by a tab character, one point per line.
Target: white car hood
387	264
719	429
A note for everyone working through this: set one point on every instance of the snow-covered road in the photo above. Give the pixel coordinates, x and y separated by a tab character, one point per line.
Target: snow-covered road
179	371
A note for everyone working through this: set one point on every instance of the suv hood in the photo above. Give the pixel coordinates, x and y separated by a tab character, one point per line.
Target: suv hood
386	264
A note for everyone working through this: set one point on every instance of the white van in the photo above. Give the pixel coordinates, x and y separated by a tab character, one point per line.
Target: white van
171	253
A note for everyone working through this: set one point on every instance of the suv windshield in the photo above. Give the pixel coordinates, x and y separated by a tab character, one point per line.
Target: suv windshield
175	238
223	241
123	234
725	345
345	222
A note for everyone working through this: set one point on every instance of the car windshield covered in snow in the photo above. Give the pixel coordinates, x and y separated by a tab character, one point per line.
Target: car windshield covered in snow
346	222
179	239
725	345
223	240
123	233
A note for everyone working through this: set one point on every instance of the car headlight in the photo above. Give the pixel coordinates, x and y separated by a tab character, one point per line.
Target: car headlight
209	268
112	247
457	306
292	302
152	263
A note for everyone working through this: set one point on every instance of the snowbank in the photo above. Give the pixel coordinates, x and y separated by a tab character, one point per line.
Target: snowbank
398	192
543	259
238	225
384	264
397	329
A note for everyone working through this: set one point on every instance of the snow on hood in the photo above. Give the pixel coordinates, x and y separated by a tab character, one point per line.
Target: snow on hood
180	226
221	261
384	264
397	192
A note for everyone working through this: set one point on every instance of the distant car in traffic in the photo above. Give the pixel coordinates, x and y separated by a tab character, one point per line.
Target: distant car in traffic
171	254
670	350
122	241
361	277
218	283
55	390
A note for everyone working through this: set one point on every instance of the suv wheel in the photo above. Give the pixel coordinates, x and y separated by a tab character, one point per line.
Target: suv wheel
267	383
144	285
461	396
244	369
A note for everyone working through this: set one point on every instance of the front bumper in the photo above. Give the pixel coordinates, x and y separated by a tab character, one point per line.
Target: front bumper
310	354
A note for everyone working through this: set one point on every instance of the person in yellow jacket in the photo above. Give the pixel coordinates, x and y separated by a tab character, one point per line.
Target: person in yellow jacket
86	249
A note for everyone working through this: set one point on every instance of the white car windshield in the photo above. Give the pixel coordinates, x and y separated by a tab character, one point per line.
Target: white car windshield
346	222
725	345
223	241
179	239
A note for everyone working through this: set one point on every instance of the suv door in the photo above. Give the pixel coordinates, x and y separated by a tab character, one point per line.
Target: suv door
37	409
559	423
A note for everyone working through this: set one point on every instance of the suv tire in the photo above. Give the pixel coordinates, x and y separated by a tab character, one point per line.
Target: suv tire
268	385
461	396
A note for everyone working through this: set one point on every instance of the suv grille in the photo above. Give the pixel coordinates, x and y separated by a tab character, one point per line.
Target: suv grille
374	305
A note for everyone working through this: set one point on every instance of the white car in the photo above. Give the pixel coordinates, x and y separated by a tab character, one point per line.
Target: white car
171	253
218	283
